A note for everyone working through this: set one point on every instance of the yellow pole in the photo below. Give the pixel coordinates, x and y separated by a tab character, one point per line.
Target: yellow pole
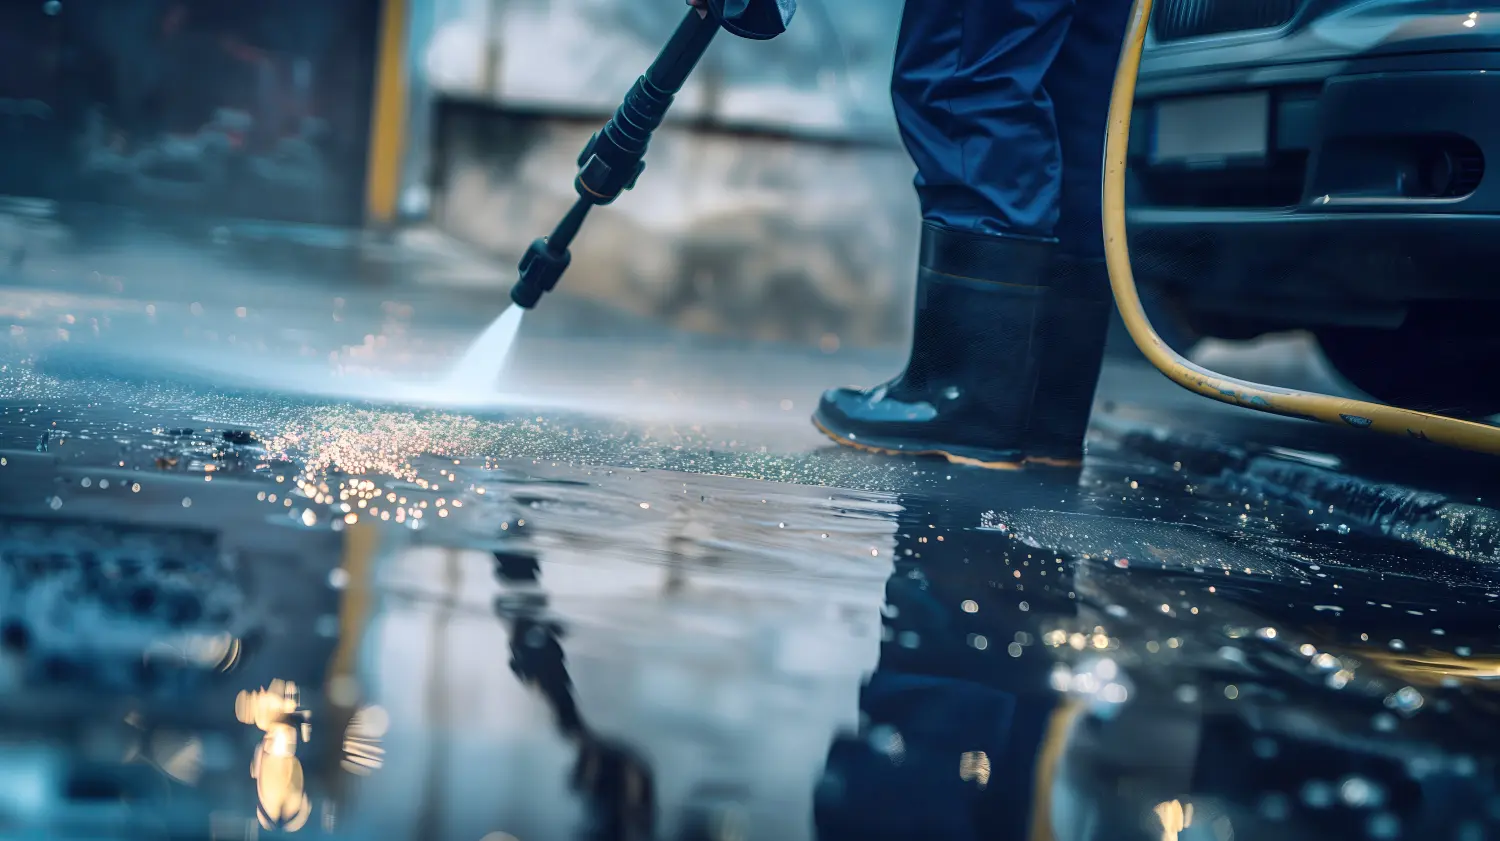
387	116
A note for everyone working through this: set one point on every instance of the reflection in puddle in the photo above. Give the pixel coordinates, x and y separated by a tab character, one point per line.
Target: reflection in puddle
1175	816
606	654
279	780
176	754
362	749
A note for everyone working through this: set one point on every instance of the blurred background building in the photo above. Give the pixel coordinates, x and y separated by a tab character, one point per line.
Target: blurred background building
777	205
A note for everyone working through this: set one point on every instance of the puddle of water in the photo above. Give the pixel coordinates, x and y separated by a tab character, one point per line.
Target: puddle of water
636	653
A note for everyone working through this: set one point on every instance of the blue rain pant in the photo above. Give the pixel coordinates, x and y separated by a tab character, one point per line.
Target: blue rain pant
944	699
1002	105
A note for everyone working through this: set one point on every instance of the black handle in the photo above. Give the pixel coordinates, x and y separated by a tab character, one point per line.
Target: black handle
613	158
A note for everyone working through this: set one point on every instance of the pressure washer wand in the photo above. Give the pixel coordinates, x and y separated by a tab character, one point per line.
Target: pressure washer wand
613	158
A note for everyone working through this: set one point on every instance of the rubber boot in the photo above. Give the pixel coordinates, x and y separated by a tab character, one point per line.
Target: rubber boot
967	388
1071	334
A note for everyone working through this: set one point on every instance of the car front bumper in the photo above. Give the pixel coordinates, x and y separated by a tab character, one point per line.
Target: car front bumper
1371	185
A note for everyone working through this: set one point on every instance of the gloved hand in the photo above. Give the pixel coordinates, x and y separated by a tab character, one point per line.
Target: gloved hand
760	20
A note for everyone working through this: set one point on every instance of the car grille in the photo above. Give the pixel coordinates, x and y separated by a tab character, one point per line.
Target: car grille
1175	20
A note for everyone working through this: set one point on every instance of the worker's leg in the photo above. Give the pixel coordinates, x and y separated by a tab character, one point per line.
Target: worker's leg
1076	311
975	116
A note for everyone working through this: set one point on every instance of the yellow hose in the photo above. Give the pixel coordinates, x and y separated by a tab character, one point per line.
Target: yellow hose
1357	414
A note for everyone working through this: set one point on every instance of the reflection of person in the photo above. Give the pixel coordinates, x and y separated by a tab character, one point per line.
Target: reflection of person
614	782
956	721
1002	105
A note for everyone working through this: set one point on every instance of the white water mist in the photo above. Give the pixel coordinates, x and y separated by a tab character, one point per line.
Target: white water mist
480	367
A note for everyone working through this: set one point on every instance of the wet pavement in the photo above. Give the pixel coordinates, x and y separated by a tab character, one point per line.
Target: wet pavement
263	572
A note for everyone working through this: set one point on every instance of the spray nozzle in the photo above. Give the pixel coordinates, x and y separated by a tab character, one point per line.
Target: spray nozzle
541	268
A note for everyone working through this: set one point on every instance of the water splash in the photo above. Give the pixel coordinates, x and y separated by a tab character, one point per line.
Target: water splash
480	367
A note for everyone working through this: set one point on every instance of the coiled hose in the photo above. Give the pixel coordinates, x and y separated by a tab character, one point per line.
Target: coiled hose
1356	414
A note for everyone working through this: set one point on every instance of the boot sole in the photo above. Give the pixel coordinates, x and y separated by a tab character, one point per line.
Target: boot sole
954	458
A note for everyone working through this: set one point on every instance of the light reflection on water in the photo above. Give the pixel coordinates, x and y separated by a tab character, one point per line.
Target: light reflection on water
280	783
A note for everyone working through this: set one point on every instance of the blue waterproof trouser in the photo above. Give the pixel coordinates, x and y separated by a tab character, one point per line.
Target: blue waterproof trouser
928	711
1002	105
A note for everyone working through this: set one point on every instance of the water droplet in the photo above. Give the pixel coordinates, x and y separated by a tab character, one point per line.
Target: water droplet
187	502
979	641
55	503
338	578
887	740
1106	669
970	606
1317	794
1343	528
1232	654
1061	677
1360	793
1405	700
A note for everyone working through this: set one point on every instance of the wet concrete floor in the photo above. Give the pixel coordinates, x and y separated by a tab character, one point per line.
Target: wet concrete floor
259	578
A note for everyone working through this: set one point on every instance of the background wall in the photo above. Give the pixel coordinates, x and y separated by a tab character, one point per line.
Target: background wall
790	216
829	72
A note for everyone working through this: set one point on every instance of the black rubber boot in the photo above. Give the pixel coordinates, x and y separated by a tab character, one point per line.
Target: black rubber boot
967	388
1071	333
